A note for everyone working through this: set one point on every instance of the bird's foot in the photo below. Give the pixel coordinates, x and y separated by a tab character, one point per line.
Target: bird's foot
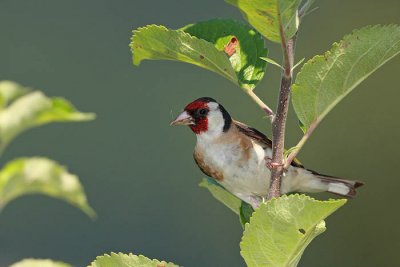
273	165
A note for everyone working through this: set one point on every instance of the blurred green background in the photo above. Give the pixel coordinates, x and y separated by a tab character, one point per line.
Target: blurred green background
138	172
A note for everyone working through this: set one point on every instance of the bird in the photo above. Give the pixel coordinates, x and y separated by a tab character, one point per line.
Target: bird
237	157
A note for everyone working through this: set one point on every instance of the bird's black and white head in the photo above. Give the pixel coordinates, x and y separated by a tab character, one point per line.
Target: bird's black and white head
206	117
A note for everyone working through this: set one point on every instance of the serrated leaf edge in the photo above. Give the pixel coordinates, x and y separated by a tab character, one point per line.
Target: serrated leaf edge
335	46
130	254
287	197
227	74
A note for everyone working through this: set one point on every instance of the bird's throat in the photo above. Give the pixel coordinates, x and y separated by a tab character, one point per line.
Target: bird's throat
201	126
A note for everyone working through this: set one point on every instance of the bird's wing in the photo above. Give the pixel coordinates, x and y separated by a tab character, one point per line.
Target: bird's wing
260	138
254	134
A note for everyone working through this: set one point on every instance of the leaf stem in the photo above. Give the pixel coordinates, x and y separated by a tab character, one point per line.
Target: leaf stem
261	104
292	155
303	11
279	121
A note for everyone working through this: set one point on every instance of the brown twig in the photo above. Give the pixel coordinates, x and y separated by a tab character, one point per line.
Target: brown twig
279	121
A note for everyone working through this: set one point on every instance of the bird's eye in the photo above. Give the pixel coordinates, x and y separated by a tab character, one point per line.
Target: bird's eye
203	111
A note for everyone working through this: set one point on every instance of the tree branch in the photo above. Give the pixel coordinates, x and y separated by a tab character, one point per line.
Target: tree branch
278	163
279	121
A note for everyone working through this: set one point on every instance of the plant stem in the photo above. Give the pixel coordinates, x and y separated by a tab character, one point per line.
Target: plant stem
300	144
279	121
261	104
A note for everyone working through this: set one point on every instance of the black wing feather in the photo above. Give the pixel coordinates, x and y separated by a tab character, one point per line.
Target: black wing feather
254	134
261	138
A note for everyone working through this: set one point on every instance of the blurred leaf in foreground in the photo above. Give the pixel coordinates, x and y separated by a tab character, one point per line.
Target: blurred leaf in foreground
25	110
280	229
41	176
125	260
39	263
9	91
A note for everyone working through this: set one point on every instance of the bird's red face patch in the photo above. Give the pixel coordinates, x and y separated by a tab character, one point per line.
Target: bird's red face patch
198	110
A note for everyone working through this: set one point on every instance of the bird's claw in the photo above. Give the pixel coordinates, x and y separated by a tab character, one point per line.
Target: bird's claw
273	165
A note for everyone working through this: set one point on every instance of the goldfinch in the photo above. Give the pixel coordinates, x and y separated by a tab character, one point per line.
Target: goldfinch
237	155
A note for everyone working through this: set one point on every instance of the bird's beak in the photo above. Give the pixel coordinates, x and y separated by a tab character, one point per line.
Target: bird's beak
183	119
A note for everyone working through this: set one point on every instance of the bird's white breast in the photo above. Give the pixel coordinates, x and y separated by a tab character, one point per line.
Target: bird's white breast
243	169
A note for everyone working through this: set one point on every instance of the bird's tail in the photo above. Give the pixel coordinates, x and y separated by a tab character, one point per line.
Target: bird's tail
339	186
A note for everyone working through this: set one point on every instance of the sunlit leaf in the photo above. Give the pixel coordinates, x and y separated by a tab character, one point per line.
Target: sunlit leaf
125	260
226	198
281	229
9	91
158	42
40	263
267	16
34	109
325	80
241	43
41	176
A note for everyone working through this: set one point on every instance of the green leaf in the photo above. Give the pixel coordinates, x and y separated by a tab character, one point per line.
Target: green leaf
246	211
248	47
273	62
125	260
40	263
9	91
31	110
325	80
158	42
222	195
41	176
268	15
205	44
302	127
281	229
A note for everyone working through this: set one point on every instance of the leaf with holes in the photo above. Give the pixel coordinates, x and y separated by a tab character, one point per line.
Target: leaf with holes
325	80
227	47
267	16
23	109
243	45
223	196
128	260
41	176
40	263
158	42
280	230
